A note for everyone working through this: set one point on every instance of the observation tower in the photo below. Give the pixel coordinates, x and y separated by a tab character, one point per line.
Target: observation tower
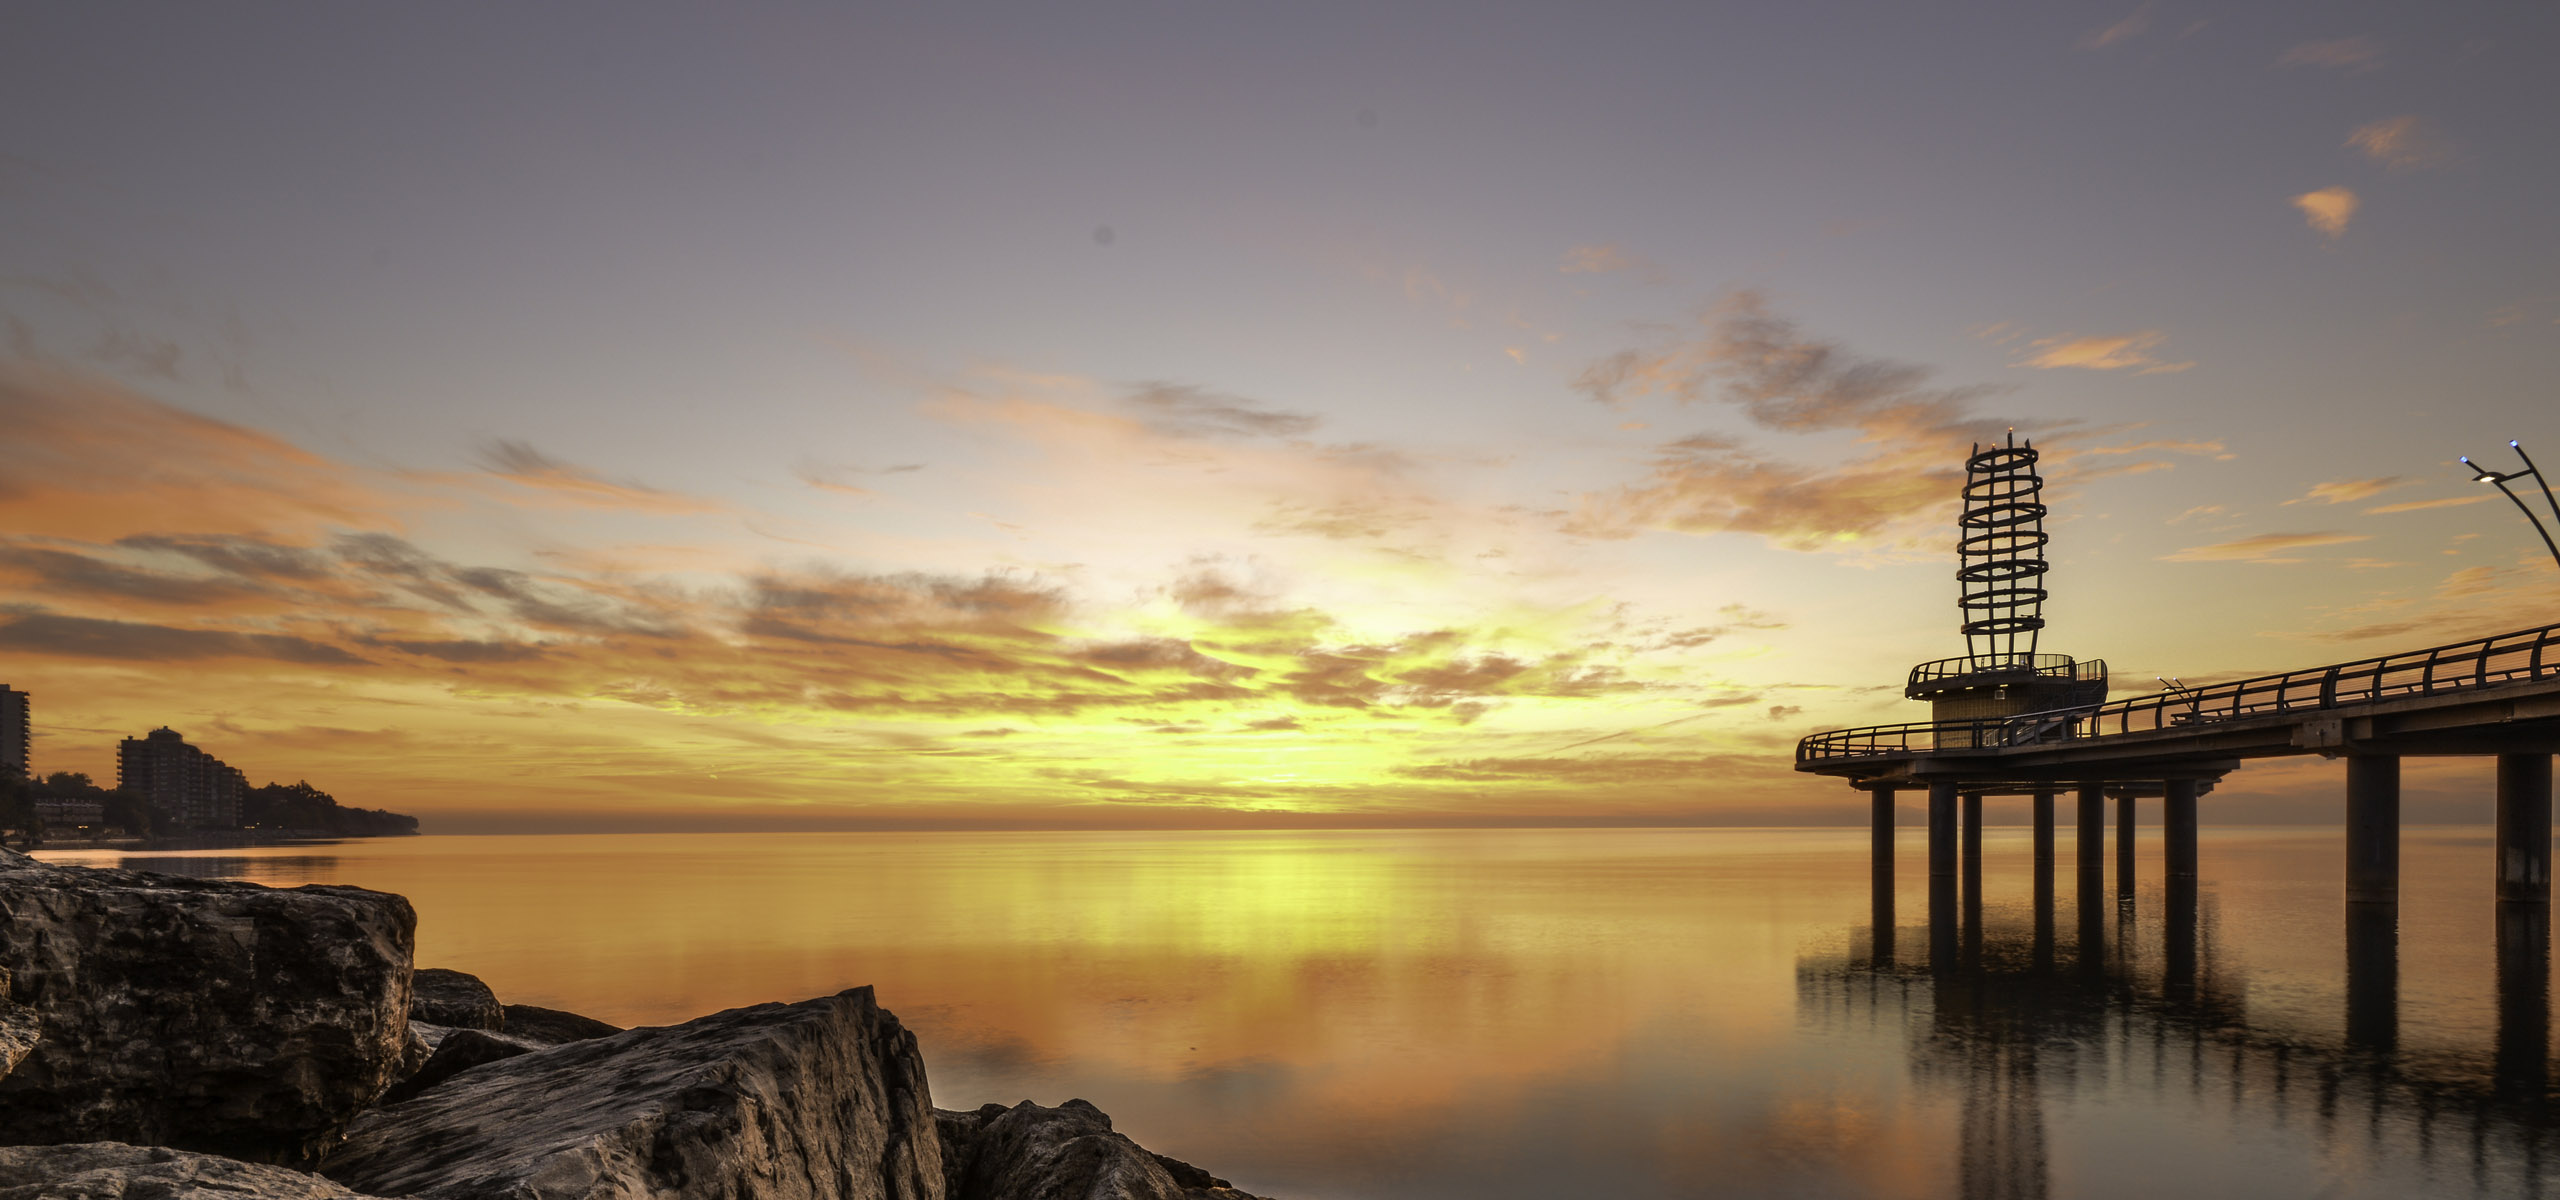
2000	543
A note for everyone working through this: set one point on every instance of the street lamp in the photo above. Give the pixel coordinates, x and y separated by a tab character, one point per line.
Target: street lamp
2481	474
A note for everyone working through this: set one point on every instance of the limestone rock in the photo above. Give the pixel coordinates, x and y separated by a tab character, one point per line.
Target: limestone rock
17	1027
116	1171
456	1052
217	1016
1070	1152
441	997
824	1098
551	1026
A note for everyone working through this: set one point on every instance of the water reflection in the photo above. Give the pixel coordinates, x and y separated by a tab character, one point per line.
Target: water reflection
2015	1031
271	870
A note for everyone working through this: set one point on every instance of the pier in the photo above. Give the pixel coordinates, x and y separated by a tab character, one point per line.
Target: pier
2007	720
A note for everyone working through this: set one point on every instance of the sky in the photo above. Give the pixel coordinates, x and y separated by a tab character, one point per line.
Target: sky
1217	415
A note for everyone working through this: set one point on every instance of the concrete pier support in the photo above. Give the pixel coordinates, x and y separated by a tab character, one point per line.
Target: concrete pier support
2373	829
2178	828
2093	828
1881	844
2524	828
1973	848
2373	975
1942	831
2044	830
2524	1000
2124	846
2090	955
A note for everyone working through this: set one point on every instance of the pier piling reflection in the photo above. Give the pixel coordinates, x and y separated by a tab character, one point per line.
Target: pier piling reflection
2029	1022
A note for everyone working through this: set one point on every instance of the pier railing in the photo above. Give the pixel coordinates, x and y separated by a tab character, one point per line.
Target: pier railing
2482	662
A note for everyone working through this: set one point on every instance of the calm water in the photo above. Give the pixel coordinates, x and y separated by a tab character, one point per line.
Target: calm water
1576	1013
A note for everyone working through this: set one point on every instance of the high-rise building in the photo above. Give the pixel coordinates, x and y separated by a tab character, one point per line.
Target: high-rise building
194	787
17	727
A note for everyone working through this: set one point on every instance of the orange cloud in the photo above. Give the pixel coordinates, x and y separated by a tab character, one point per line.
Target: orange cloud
88	459
2131	351
2417	505
2348	491
2263	548
2328	209
2401	143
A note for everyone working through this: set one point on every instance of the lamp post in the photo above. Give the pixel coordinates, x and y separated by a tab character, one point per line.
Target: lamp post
2481	474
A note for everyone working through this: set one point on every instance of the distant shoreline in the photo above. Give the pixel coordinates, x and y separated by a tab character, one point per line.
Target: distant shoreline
206	839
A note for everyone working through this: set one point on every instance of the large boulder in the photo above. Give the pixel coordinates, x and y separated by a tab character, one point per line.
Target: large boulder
17	1027
824	1098
453	999
458	1051
551	1026
217	1016
1070	1152
116	1171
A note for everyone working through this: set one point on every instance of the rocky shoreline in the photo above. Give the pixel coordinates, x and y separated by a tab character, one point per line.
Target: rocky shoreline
165	1036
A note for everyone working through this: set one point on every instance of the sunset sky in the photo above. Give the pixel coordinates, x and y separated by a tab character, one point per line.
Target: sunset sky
618	416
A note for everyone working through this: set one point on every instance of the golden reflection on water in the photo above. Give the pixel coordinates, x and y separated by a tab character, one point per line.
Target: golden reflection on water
1373	1014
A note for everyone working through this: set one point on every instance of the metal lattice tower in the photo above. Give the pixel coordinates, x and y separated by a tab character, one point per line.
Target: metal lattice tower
2001	548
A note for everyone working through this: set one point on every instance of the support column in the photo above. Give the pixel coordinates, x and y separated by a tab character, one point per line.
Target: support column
2093	828
2178	828
2124	845
1973	847
2373	829
2044	828
2524	828
2524	1000
1942	831
2090	956
1881	881
2373	975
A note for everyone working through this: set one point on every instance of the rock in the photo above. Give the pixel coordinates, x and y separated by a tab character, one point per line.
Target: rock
824	1098
552	1026
441	997
116	1171
1070	1152
217	1016
17	1027
459	1051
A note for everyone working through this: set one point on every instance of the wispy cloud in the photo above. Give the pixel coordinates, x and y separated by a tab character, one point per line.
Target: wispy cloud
2400	143
519	463
2328	209
2263	548
2132	26
2121	352
1182	410
2359	53
2348	491
2421	505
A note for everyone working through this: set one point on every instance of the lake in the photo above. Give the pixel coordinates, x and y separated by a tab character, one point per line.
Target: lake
1546	1013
